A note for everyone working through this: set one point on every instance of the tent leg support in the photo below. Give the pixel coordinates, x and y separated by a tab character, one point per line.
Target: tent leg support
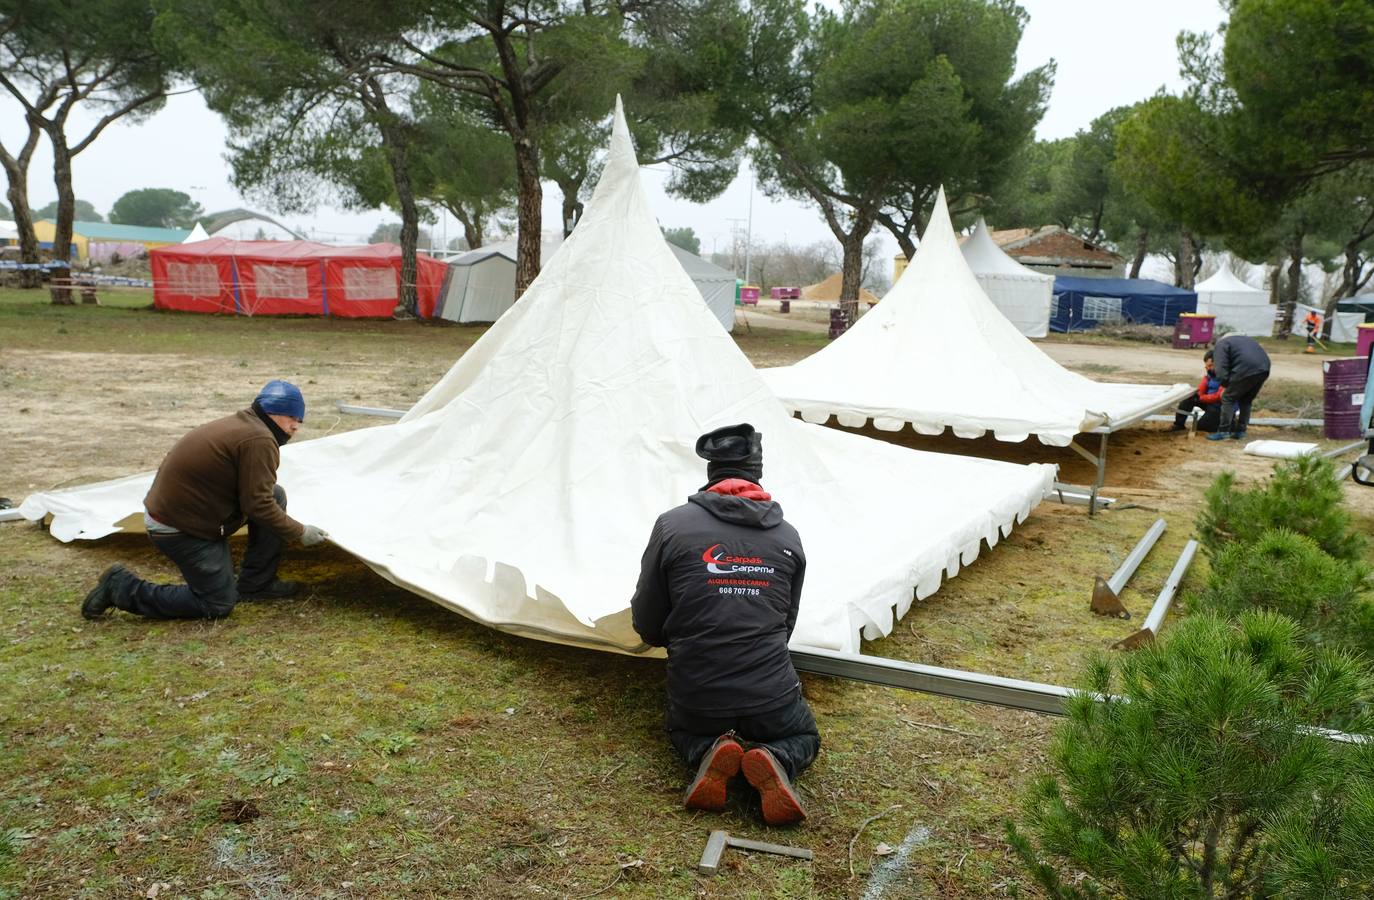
1100	462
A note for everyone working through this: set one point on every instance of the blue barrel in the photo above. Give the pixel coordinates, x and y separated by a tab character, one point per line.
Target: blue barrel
1342	395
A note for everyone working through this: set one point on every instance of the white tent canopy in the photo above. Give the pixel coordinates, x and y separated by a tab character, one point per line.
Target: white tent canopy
521	489
1023	295
480	284
938	354
1237	306
197	234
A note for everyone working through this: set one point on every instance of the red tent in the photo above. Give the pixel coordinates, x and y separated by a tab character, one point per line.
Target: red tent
288	278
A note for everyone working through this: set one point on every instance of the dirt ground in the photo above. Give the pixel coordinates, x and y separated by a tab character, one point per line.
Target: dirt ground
397	749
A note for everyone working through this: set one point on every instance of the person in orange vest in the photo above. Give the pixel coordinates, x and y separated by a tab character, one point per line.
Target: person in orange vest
1313	324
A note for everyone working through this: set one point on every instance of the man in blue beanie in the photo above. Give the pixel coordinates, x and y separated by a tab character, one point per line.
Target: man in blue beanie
720	587
214	480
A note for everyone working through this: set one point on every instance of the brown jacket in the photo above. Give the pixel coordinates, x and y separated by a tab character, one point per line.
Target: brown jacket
217	476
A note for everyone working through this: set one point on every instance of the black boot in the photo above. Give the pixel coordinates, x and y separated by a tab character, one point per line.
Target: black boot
102	596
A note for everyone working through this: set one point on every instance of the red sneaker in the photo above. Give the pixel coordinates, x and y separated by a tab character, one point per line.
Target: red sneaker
718	766
781	805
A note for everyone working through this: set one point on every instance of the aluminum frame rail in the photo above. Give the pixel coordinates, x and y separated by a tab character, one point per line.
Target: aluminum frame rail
1272	422
378	411
1012	693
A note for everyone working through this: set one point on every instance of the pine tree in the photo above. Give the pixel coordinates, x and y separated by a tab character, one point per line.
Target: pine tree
1303	496
1194	768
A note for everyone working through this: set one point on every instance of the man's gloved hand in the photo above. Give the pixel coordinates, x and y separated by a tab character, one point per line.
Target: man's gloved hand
313	536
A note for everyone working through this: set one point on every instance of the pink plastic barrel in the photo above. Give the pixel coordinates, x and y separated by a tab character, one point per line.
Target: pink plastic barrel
1364	340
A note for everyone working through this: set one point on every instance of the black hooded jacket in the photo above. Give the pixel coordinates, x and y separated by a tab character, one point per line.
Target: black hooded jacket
1237	356
719	586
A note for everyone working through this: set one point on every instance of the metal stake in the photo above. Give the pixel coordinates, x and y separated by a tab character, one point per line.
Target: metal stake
1106	600
1150	630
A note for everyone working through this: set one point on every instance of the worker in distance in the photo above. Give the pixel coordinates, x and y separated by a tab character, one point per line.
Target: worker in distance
215	479
719	586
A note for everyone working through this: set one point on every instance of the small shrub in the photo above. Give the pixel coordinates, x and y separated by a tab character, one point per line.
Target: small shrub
1200	776
1288	573
1303	496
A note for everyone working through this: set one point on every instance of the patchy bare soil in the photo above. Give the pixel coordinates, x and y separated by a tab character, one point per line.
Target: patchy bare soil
391	748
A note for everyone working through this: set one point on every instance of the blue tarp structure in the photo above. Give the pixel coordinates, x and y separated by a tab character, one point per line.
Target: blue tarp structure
1084	303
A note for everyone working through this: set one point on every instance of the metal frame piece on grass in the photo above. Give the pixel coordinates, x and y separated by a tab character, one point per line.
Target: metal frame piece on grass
1029	696
1106	599
1269	422
719	840
1150	629
378	411
994	689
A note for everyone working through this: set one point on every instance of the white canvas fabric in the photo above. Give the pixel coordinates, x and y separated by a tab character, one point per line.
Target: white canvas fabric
521	489
1023	295
1280	449
198	233
1237	306
936	353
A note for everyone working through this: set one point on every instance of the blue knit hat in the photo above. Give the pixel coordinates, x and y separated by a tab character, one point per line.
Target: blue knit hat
281	398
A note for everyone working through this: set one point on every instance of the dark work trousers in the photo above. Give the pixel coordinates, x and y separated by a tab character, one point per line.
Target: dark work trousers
1236	400
1208	421
210	591
789	732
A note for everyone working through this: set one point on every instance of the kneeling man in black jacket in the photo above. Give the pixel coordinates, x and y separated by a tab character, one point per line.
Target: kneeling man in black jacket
719	586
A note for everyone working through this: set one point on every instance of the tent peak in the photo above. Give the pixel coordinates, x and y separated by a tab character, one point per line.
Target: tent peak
622	149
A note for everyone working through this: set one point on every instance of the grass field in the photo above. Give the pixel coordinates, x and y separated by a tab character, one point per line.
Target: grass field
363	742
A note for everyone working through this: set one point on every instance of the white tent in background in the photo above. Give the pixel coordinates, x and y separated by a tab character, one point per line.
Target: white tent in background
9	231
480	284
1237	306
1023	295
521	489
716	285
938	354
197	234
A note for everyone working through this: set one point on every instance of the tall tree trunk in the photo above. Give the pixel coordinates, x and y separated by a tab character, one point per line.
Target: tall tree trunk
902	233
851	279
1186	269
410	231
572	206
472	226
529	214
1353	275
1292	285
66	202
17	174
1142	243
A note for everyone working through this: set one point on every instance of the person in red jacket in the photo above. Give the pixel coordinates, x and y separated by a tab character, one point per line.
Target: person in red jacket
1207	398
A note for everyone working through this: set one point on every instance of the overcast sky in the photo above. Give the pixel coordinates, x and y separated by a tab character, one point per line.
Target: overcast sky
1109	53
